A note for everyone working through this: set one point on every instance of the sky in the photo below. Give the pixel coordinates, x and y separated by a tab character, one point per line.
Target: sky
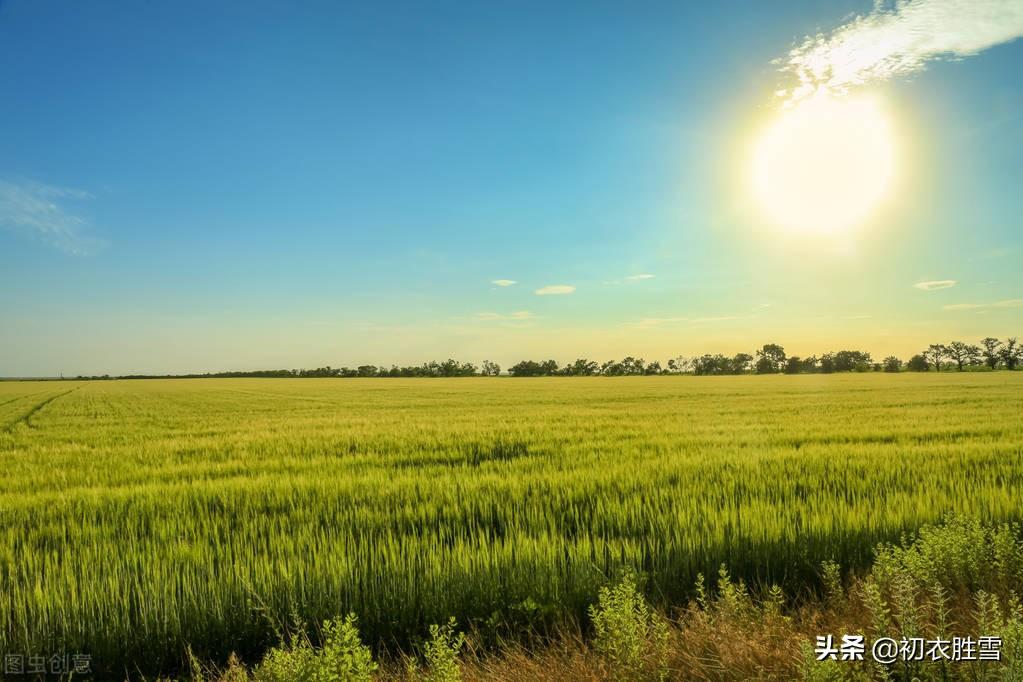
194	186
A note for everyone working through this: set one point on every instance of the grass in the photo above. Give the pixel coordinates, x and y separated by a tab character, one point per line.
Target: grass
141	518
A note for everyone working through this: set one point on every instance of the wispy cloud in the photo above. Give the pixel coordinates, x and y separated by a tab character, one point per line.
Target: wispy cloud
934	284
42	212
1011	303
555	290
517	315
639	277
503	282
897	39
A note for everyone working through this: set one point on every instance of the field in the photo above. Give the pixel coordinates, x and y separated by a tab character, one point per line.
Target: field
138	517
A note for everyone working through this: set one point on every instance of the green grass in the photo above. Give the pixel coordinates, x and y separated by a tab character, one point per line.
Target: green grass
138	517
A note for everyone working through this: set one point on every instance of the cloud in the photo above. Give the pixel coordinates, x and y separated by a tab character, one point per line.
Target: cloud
41	212
517	315
935	284
899	39
555	290
503	282
639	277
1011	303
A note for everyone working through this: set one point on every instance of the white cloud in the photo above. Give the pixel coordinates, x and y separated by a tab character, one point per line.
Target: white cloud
517	315
637	278
899	39
503	282
555	290
1011	303
40	211
934	284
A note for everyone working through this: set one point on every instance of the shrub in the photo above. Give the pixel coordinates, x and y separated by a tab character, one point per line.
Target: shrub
627	633
441	653
343	658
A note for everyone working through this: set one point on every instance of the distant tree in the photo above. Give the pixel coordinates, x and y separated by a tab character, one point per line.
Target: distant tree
741	363
581	367
1011	354
490	369
962	354
679	365
770	359
851	361
526	368
653	368
991	355
810	364
827	363
711	364
892	364
935	353
549	368
632	366
612	368
367	371
794	365
918	363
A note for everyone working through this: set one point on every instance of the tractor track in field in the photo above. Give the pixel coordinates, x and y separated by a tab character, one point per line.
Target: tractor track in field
27	417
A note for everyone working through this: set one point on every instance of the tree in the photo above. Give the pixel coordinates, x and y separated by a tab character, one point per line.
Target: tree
962	354
741	363
631	365
711	364
918	363
526	368
794	365
581	367
679	365
892	364
851	361
1011	354
490	369
991	356
770	359
653	368
935	353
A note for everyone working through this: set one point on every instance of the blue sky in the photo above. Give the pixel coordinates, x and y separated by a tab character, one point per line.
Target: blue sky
202	186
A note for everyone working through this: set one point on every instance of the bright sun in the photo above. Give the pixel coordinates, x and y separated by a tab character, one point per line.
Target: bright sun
823	166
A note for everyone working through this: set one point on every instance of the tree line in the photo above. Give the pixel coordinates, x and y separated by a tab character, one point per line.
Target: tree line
990	354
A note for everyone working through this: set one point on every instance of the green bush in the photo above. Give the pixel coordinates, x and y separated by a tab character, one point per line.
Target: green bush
441	653
627	632
343	658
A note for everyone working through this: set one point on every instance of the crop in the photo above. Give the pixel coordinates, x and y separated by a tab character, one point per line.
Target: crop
141	518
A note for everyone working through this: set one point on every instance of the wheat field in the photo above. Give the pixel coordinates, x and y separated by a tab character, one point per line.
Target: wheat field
138	518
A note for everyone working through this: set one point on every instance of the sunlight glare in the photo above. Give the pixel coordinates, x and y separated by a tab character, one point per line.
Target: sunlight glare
823	166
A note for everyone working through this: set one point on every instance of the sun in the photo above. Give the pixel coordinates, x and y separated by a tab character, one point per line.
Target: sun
824	166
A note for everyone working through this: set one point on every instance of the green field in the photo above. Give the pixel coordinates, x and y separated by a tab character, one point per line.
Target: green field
138	517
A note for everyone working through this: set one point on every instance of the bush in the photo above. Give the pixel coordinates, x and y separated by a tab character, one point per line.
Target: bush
343	658
628	634
441	653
